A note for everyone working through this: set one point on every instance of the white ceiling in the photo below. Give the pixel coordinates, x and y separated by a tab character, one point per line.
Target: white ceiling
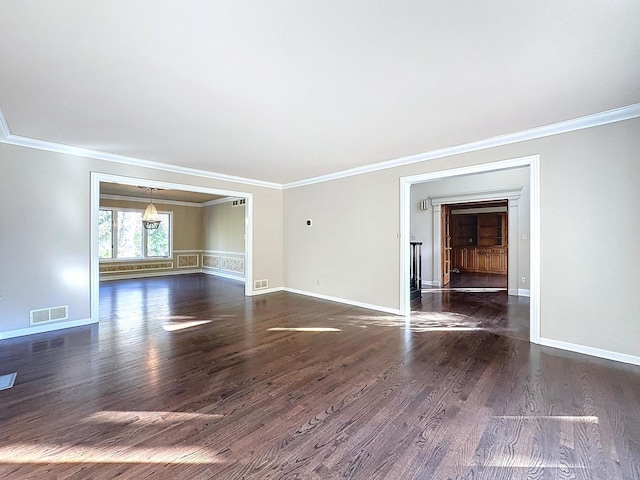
285	90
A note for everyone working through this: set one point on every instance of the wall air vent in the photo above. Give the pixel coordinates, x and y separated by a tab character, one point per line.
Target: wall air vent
260	284
52	314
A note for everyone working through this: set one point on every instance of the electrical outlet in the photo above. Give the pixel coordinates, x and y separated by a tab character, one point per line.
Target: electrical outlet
523	280
318	281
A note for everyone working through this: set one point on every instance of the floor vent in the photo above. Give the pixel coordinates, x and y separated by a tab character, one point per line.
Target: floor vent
52	314
260	284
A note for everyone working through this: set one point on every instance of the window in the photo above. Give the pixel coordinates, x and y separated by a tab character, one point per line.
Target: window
121	235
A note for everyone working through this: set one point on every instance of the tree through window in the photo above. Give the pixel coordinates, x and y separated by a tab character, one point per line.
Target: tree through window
121	235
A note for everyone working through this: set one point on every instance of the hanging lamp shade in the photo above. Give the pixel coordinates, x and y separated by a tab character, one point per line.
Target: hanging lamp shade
151	219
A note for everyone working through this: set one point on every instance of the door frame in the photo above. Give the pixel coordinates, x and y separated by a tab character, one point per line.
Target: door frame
533	162
512	195
97	178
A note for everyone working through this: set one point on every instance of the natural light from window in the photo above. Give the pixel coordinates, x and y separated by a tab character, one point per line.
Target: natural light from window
121	235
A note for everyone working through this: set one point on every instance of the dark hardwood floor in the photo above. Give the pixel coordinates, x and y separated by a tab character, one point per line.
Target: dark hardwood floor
475	301
285	386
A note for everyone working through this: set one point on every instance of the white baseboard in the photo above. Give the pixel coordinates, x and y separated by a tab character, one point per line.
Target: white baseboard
428	283
262	291
344	300
45	328
594	352
218	273
147	274
524	292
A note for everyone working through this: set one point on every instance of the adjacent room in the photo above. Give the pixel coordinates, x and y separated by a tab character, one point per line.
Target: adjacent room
315	240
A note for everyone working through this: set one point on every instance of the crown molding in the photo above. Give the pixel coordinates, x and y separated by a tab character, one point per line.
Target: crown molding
597	119
9	138
219	201
157	201
610	116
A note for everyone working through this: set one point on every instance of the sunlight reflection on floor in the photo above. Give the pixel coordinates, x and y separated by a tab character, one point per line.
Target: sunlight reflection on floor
70	453
421	321
303	329
172	326
147	417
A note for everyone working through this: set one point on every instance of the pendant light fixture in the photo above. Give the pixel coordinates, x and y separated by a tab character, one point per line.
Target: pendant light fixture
151	219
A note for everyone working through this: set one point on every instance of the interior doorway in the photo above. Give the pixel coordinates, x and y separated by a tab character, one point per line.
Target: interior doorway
98	178
532	256
475	244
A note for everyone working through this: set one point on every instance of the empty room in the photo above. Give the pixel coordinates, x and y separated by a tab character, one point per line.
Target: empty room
319	240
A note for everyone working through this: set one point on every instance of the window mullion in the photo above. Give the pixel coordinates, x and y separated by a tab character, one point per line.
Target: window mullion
114	234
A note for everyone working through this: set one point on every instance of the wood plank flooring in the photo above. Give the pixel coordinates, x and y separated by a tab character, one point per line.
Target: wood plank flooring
288	387
477	301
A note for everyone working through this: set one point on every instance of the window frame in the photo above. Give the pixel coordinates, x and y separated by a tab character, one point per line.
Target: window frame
114	235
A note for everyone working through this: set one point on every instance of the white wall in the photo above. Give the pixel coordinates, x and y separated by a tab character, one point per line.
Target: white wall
422	220
589	227
45	230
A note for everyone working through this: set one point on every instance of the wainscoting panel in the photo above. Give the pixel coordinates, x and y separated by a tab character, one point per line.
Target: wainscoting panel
188	261
227	264
232	263
134	267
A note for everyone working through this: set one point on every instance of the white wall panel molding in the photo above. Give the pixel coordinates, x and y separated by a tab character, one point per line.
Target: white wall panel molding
594	352
188	261
135	267
224	252
224	261
232	264
211	261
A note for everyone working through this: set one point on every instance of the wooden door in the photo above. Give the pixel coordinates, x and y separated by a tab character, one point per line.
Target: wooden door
445	214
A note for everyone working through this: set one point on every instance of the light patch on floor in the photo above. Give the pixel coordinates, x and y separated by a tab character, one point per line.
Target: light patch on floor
71	453
148	418
175	326
304	329
6	381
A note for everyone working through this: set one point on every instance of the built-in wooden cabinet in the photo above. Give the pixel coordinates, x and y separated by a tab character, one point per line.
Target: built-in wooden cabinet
480	242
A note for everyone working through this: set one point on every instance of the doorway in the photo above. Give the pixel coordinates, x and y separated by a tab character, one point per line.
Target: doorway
97	178
475	244
533	257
